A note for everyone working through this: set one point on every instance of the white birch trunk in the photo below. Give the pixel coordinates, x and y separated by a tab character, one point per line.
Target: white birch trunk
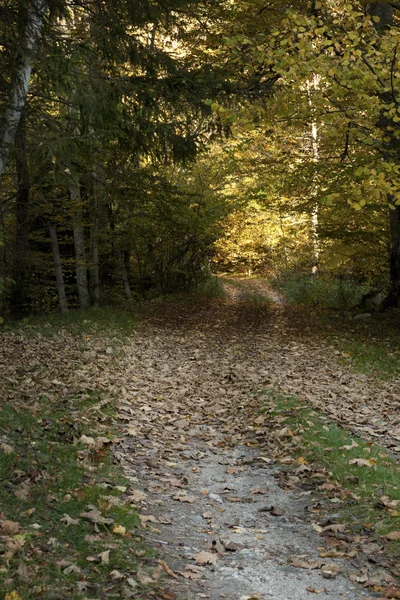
62	297
79	243
315	144
21	79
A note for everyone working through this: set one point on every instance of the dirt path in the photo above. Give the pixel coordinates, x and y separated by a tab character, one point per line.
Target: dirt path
192	377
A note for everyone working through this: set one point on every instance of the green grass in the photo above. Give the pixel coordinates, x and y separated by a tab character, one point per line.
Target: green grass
378	358
320	442
41	456
81	322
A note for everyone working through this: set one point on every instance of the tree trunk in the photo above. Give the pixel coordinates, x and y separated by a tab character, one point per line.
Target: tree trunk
124	274
21	79
80	250
94	241
394	257
315	143
21	261
62	297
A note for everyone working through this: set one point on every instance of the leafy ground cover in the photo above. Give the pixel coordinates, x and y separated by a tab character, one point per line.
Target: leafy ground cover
68	515
194	367
92	320
361	479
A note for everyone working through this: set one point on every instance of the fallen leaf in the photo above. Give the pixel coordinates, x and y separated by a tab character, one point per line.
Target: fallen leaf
10	527
184	498
361	462
119	529
69	520
330	571
300	563
116	575
205	558
6	448
144	519
23	493
349	446
392	536
136	496
143	576
95	516
104	557
276	511
166	568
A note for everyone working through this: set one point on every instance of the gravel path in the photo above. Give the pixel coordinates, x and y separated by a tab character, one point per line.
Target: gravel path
210	497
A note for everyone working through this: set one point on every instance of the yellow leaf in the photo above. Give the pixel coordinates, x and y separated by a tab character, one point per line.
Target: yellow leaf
301	460
13	596
119	529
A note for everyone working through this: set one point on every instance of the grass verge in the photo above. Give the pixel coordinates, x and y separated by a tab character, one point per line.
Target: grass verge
381	359
364	479
68	516
68	529
80	322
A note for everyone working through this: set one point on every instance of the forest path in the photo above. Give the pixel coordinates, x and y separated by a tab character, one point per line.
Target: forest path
192	380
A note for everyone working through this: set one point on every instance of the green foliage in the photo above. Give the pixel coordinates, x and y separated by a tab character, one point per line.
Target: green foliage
323	292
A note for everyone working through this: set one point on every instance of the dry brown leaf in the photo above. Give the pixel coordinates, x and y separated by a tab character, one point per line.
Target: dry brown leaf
143	576
96	517
330	571
205	558
136	496
392	536
10	527
300	563
6	448
335	528
69	520
104	557
184	498
23	493
361	462
166	568
144	519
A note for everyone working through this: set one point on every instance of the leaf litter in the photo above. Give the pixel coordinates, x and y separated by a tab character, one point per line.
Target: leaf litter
187	385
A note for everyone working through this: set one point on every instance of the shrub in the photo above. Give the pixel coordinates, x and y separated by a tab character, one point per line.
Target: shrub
323	291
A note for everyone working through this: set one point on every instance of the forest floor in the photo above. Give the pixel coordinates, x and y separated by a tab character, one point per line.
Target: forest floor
261	464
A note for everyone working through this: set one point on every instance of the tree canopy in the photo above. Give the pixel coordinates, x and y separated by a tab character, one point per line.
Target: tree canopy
142	144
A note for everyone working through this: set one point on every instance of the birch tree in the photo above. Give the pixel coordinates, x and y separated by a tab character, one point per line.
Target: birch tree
21	74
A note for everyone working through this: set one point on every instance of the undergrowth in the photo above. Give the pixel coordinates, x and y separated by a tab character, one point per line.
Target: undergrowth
322	292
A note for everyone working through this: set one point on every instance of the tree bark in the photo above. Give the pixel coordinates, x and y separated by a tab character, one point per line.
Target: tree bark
124	274
313	85
94	234
80	249
21	79
21	261
394	257
62	297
